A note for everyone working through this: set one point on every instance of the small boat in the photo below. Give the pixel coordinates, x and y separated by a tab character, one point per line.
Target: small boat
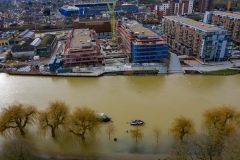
103	117
136	122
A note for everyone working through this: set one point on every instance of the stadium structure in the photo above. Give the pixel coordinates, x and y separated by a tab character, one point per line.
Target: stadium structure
96	8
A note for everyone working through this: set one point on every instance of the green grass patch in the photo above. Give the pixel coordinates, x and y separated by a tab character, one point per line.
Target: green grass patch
223	72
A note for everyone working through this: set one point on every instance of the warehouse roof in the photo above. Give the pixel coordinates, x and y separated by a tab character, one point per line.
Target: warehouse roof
36	42
139	29
70	8
47	40
24	46
26	34
195	24
229	14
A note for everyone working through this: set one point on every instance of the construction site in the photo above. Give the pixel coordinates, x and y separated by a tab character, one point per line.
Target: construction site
114	47
142	44
103	39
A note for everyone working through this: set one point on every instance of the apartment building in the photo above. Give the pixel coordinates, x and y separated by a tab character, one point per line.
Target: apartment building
142	44
230	22
205	5
173	7
197	39
82	49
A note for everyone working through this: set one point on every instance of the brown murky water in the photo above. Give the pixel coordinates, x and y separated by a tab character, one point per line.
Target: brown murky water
156	100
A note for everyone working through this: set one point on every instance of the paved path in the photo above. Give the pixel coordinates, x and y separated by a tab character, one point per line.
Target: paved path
174	65
212	66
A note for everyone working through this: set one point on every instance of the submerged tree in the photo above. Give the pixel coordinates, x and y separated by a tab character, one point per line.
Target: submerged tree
181	128
157	133
54	117
17	149
136	133
232	147
220	123
16	118
110	129
82	122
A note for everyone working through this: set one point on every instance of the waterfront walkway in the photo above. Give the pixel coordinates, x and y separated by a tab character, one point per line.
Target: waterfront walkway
174	64
201	68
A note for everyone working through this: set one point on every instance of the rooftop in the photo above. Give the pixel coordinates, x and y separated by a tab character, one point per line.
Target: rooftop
47	40
195	24
70	8
36	42
229	14
81	37
139	29
26	34
24	46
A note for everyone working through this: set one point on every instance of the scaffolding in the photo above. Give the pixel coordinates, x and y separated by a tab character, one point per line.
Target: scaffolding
82	49
113	19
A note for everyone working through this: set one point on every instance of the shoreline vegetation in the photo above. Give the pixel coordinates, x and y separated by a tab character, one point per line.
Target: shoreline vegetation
226	72
22	126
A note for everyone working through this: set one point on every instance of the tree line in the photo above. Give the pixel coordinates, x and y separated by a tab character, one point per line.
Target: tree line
17	118
220	127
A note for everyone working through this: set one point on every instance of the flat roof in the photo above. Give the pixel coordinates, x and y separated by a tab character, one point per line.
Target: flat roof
81	37
136	27
23	46
229	14
47	40
70	8
36	42
195	24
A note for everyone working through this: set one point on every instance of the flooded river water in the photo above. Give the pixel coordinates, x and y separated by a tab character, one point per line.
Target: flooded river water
155	99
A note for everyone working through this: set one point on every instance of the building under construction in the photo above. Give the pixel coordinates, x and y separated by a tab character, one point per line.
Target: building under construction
142	44
82	49
102	27
230	21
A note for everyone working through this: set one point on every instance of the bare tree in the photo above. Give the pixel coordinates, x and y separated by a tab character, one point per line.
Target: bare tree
182	127
232	147
220	123
83	121
54	117
157	133
17	149
110	129
16	118
136	133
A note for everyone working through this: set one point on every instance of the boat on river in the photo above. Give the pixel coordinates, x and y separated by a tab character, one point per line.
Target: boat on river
136	122
103	117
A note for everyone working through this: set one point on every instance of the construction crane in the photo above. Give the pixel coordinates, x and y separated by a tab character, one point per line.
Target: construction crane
113	19
229	5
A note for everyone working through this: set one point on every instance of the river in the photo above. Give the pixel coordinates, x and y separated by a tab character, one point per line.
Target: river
155	99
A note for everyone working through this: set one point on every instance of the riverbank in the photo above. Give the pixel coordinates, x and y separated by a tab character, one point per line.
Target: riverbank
86	74
225	72
173	67
119	156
